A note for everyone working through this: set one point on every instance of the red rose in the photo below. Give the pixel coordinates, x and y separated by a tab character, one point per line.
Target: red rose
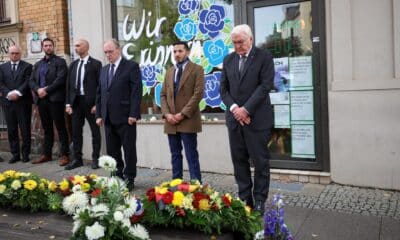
151	194
167	197
197	196
96	192
226	201
184	187
180	212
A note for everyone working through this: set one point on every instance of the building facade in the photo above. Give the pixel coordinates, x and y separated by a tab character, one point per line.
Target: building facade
337	64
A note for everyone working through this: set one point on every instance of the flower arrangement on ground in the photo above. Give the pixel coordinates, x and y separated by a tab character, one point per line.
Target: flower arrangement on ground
106	210
191	205
23	190
274	224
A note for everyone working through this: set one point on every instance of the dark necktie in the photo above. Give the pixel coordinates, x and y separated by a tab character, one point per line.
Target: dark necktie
13	68
242	62
178	77
110	75
78	78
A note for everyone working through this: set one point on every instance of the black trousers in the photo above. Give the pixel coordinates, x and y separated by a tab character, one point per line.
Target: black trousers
246	144
122	135
80	112
53	112
18	115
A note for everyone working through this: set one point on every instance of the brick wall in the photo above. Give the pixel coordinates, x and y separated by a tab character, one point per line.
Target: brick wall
45	15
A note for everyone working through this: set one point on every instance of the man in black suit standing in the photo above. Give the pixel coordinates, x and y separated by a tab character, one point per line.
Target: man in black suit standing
14	85
247	78
83	78
118	106
48	83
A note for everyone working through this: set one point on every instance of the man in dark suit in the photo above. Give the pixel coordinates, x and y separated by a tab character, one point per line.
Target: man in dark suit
14	85
83	78
247	78
181	93
118	106
48	83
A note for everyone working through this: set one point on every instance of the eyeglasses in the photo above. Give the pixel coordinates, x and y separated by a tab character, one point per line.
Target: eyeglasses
240	42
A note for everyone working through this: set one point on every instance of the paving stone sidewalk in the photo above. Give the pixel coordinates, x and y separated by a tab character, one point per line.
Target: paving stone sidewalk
313	211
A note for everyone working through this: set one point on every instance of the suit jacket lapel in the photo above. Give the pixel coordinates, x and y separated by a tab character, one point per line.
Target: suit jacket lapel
116	71
247	63
185	75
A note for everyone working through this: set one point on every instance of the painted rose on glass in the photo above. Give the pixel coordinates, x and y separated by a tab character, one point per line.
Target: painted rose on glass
188	6
215	51
186	29
211	89
149	75
212	20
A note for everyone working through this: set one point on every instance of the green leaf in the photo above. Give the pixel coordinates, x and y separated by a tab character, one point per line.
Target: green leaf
202	104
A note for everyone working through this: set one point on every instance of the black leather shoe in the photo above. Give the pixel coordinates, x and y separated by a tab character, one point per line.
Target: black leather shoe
260	207
14	159
95	165
26	159
74	164
130	185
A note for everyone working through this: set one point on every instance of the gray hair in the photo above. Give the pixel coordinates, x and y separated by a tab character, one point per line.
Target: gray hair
114	42
242	29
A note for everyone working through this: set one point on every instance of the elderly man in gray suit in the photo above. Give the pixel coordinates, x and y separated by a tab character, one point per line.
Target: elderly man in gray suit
247	78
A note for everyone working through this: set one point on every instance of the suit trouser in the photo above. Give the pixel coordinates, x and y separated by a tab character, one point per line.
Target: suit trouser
53	112
246	144
122	135
18	114
190	143
81	110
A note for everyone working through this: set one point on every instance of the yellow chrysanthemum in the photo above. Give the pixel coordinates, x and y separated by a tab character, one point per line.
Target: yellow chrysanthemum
2	188
85	187
204	205
2	177
10	173
93	176
64	185
175	182
17	175
24	174
16	184
164	184
30	184
161	190
178	198
52	186
78	179
248	210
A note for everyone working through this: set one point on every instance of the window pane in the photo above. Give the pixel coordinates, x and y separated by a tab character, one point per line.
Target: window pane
147	30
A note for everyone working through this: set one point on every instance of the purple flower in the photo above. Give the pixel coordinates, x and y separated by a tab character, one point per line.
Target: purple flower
187	6
212	20
211	89
274	225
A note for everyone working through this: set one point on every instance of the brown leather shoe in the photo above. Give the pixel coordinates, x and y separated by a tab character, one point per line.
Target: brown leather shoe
42	159
64	160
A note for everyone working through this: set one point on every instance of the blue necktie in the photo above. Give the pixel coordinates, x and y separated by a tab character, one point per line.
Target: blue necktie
110	75
178	77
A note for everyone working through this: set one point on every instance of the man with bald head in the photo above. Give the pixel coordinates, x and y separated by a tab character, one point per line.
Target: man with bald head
17	101
118	107
82	82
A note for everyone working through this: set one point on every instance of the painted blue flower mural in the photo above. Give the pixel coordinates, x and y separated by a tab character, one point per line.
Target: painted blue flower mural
186	7
215	51
157	94
212	20
149	75
211	89
186	29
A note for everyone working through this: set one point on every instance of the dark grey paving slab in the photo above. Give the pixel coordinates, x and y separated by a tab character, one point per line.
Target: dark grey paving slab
329	225
295	217
390	229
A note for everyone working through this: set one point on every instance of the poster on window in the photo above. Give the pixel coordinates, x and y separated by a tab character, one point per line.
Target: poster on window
303	145
281	116
300	72
302	106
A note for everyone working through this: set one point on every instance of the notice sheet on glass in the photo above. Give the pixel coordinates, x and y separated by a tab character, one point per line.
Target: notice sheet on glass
303	144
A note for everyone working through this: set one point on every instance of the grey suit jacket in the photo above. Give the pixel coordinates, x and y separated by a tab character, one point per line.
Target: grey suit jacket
250	90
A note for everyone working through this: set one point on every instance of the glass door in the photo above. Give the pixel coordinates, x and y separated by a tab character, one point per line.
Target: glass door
285	28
